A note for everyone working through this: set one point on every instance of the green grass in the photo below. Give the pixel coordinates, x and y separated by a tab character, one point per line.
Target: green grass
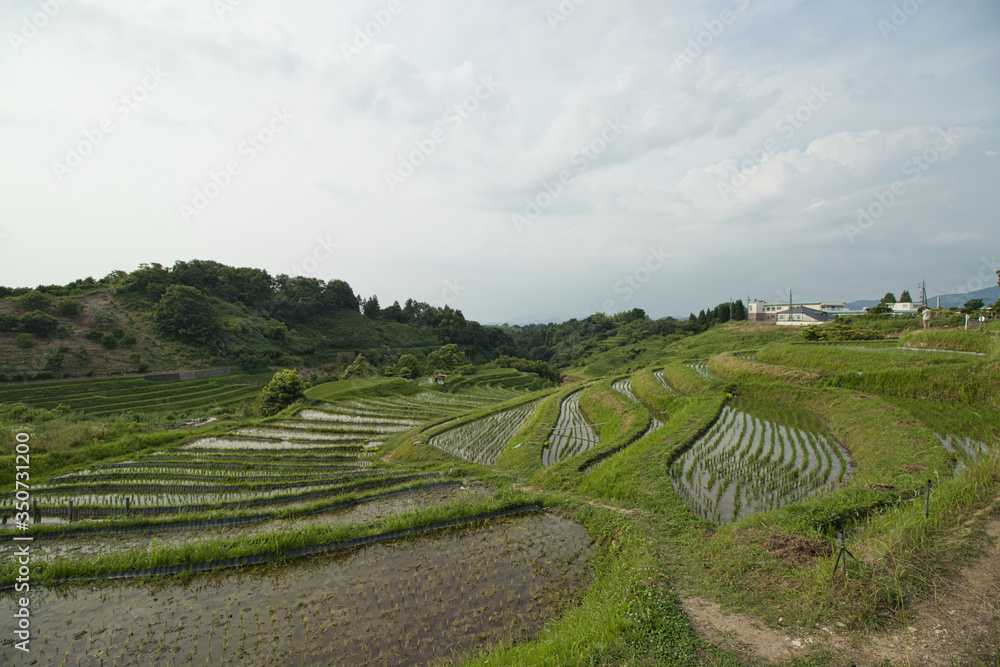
361	387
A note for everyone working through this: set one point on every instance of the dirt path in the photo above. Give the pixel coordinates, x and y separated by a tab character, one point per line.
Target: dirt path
959	625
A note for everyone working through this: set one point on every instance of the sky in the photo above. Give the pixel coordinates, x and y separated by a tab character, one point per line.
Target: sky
519	161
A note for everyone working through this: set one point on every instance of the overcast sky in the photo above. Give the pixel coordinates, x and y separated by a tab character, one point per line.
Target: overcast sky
520	161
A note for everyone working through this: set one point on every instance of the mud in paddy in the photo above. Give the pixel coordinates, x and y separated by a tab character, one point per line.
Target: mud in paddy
403	603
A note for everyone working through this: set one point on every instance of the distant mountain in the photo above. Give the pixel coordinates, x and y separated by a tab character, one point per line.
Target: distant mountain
987	294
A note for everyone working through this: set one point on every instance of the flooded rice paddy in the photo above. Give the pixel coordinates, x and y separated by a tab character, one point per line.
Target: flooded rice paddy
400	603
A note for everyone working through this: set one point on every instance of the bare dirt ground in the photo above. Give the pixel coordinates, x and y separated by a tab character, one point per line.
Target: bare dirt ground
957	626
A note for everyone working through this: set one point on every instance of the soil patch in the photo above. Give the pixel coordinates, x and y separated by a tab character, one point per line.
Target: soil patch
796	549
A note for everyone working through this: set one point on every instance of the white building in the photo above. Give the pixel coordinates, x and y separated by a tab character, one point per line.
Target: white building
815	312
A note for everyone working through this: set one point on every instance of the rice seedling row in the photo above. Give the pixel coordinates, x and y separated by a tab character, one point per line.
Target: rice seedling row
702	370
408	603
743	465
359	511
965	450
571	435
659	376
101	506
482	441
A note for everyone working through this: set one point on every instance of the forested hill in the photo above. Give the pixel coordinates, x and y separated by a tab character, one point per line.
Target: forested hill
205	312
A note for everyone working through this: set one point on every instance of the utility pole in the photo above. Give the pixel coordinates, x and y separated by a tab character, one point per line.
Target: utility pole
923	293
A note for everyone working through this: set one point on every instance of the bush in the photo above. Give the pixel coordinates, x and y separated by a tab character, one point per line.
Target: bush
285	388
65	332
25	341
117	333
81	355
142	368
8	322
34	300
134	358
54	359
37	322
94	335
360	368
128	340
69	308
109	341
103	320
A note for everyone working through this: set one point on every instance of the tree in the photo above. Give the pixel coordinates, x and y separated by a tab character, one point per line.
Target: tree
8	322
285	388
881	309
69	308
37	322
188	315
109	341
360	368
905	297
34	300
275	330
739	311
972	305
371	308
405	367
448	358
888	298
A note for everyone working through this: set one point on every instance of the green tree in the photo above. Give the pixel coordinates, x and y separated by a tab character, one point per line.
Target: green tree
37	322
285	388
905	297
371	308
34	300
448	358
109	341
128	340
972	305
188	315
360	368
275	330
739	311
69	308
25	341
405	367
81	355
888	298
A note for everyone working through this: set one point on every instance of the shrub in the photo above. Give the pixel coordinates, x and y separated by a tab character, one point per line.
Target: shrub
37	322
25	341
81	355
94	335
285	388
69	308
117	333
34	300
128	340
104	320
44	375
54	359
8	322
134	358
142	368
65	332
109	341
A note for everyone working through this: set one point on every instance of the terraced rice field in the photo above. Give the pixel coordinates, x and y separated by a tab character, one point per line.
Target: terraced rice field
111	396
483	441
659	376
259	467
657	419
966	450
571	435
402	603
744	465
702	370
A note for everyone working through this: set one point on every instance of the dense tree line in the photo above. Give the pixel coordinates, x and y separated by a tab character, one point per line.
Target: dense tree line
248	316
